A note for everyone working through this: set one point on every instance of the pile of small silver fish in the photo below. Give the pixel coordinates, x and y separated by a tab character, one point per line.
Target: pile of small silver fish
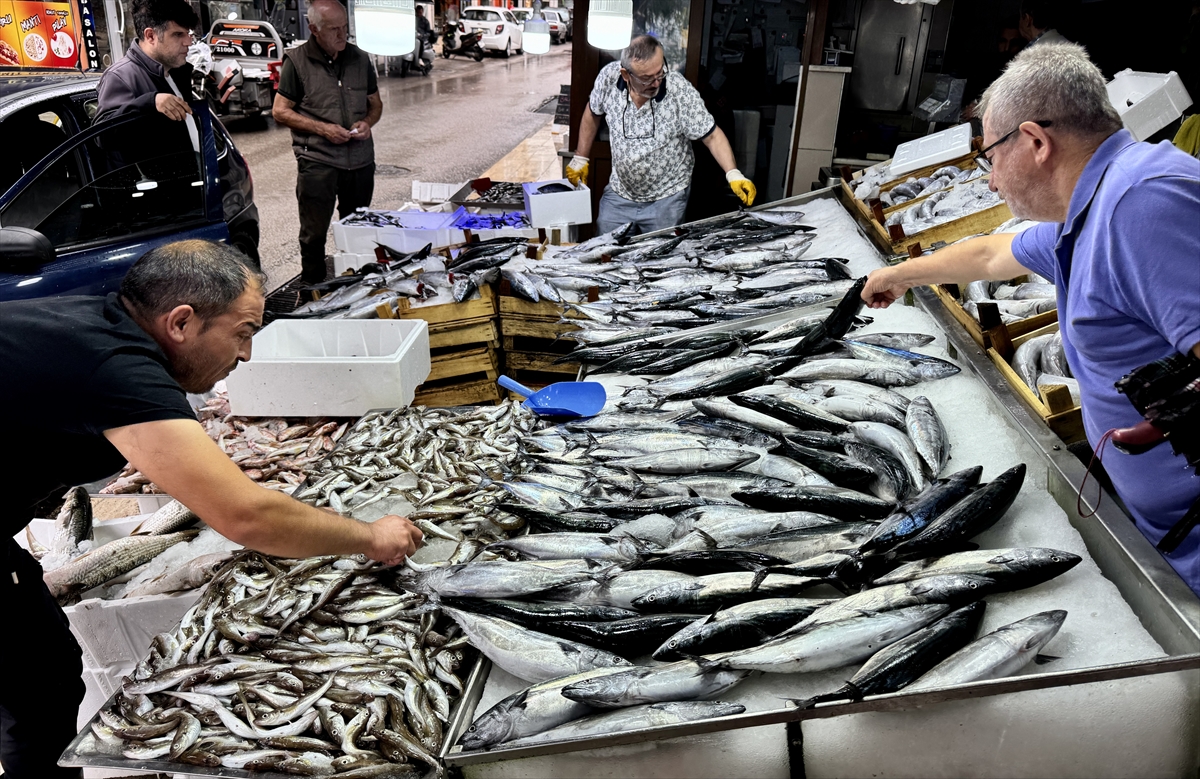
275	452
450	452
308	667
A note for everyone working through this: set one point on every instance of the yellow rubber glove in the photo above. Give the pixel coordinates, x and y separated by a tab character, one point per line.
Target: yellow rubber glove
741	186
577	170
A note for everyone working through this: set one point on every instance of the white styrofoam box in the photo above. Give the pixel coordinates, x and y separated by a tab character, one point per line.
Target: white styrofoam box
932	149
337	368
344	261
115	632
557	208
1147	102
420	228
428	192
99	685
506	232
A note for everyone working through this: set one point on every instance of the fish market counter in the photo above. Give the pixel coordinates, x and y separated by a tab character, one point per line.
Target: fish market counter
1117	699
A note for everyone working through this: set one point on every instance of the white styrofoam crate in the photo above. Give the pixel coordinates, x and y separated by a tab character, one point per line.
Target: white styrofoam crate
932	149
115	632
429	192
420	228
339	368
344	261
557	208
99	685
1147	102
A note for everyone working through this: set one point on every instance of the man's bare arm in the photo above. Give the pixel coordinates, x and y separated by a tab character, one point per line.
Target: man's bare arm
374	109
987	257
718	144
588	127
284	112
178	456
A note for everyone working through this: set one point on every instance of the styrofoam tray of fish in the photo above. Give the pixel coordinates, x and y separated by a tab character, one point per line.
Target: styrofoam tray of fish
331	368
115	619
403	231
1041	584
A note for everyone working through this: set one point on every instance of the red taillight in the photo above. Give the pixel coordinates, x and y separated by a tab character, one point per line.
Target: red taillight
462	27
499	28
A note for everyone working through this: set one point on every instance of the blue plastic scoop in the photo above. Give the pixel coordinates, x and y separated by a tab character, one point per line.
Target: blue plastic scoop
565	399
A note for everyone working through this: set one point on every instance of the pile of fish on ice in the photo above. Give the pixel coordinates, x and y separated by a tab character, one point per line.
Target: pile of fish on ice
945	205
325	665
713	524
275	452
870	184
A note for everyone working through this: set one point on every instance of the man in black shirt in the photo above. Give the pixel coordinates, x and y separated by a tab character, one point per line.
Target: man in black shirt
92	382
329	97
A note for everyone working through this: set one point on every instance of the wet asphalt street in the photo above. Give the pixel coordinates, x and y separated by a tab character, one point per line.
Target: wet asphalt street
447	127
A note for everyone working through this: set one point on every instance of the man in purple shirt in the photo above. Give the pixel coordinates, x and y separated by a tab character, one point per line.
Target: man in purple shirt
1121	240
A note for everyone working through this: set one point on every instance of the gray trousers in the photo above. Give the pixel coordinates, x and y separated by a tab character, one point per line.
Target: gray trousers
646	217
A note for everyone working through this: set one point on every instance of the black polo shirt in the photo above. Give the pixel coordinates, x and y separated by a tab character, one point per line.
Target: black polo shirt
73	368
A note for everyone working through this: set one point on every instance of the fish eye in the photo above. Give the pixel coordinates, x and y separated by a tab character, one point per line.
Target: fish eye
471	729
973	585
673	643
1054	558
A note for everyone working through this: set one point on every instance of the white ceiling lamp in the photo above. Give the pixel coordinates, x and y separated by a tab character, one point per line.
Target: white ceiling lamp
385	27
536	31
610	24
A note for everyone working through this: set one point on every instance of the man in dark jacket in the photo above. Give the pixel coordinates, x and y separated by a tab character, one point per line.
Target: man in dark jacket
329	97
154	74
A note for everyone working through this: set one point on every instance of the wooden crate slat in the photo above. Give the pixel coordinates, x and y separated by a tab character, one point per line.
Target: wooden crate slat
539	361
467	394
510	306
483	307
482	360
482	332
534	329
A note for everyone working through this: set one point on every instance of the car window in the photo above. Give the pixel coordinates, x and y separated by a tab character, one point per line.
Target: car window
508	17
27	137
140	177
480	15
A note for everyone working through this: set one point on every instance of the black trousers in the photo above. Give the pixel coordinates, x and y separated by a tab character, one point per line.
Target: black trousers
41	671
317	187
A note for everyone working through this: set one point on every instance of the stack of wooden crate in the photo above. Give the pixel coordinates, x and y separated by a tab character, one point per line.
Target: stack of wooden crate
464	349
533	346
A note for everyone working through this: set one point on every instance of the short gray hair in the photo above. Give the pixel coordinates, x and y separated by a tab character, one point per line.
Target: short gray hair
205	275
639	49
1054	81
315	16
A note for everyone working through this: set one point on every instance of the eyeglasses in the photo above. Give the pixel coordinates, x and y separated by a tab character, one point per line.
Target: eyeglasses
985	163
647	82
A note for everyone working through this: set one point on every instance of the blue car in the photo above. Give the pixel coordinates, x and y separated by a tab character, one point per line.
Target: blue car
81	202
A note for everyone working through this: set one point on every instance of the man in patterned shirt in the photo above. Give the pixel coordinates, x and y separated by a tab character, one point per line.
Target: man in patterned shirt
653	116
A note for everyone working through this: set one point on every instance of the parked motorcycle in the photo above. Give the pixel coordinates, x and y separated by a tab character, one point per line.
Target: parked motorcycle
456	40
422	64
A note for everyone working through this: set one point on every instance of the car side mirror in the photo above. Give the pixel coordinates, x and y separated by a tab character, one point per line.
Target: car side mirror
23	250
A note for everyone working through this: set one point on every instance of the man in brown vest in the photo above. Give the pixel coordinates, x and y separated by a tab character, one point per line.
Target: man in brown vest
329	97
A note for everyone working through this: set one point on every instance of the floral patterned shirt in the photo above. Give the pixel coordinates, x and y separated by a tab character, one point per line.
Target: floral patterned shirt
651	146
